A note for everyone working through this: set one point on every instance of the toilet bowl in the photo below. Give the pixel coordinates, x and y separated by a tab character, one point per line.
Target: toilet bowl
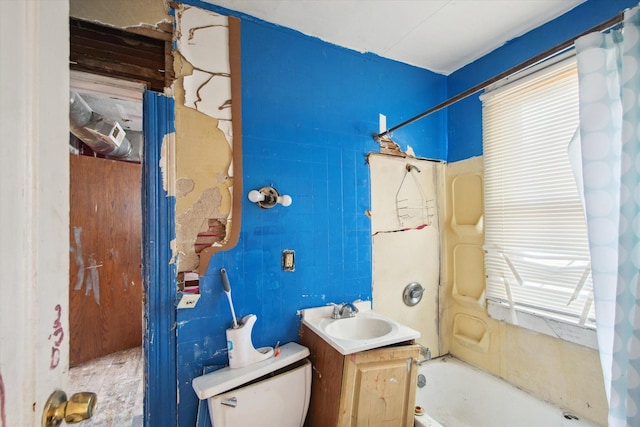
273	392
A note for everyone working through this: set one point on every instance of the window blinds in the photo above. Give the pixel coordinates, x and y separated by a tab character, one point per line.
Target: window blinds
536	248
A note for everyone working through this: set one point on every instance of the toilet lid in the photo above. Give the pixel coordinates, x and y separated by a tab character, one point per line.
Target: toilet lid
225	379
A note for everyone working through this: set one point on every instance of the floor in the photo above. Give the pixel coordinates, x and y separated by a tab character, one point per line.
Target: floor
117	380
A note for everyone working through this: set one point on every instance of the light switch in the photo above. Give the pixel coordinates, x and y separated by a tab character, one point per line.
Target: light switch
288	260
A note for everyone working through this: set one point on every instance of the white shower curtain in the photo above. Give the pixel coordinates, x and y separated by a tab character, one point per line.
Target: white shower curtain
609	81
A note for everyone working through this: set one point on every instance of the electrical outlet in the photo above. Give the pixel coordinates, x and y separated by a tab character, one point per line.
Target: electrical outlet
188	300
288	260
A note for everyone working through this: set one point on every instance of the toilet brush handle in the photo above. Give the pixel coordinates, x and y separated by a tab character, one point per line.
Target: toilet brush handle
227	290
225	280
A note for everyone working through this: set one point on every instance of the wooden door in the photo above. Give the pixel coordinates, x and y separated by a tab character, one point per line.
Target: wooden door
105	281
379	387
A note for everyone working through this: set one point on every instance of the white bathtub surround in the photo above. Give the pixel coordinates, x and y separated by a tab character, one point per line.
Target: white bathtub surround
557	371
458	394
406	249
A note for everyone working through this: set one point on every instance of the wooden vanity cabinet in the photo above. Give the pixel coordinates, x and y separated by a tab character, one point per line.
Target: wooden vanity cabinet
370	388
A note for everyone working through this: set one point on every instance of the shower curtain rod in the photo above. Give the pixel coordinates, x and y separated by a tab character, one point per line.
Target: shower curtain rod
606	25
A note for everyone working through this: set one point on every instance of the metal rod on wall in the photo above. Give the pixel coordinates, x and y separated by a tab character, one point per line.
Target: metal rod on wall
608	24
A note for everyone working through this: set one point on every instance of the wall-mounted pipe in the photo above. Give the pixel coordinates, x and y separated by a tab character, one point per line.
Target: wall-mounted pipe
103	135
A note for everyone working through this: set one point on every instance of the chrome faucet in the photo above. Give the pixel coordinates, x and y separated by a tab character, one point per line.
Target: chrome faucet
353	310
344	311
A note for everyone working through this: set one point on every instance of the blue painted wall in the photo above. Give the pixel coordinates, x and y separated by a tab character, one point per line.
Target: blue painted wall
309	110
465	118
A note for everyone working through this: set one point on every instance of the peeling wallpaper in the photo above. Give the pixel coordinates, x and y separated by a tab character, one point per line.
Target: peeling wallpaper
203	115
121	13
202	39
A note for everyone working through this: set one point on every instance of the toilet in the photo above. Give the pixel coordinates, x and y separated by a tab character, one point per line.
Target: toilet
272	392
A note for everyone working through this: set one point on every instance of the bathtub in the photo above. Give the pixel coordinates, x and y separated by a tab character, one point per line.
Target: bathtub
459	395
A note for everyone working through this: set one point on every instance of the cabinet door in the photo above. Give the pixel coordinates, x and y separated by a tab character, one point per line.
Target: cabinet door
379	387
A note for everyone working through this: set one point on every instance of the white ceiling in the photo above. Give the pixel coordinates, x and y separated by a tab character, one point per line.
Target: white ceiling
439	35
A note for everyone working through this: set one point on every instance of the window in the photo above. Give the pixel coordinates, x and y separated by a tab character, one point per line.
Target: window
536	248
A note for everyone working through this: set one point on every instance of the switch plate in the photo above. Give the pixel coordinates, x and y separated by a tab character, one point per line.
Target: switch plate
288	260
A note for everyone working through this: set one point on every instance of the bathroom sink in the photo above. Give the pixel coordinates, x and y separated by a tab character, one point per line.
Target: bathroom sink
358	328
366	331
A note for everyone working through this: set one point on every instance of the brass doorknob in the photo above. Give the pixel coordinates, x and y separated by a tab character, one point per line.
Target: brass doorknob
78	408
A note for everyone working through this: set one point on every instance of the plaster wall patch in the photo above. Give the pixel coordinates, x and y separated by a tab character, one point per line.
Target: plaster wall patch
168	163
174	251
184	186
222	178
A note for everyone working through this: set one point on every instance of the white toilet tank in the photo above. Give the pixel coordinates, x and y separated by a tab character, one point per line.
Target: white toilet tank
273	392
281	400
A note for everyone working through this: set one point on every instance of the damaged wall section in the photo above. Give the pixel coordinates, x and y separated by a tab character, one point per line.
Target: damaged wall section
205	144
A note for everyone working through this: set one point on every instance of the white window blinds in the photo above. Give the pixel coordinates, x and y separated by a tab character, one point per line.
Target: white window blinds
536	248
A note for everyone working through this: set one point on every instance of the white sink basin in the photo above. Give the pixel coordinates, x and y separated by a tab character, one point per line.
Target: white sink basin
358	328
366	331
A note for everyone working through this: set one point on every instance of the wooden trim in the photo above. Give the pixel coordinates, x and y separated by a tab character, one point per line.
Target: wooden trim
163	31
159	271
169	72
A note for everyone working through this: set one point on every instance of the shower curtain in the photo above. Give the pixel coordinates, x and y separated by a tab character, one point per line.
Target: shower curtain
609	135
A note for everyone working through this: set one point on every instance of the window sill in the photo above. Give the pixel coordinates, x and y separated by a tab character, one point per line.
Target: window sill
576	334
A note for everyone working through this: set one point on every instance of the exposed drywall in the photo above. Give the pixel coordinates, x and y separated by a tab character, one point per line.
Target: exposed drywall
204	164
121	13
202	39
203	187
563	373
